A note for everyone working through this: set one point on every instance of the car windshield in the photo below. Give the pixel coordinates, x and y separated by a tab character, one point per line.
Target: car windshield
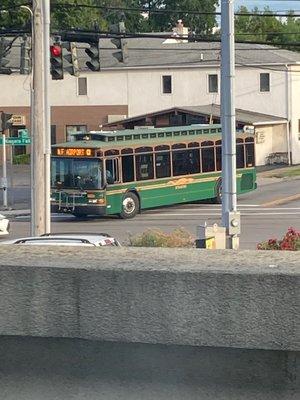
77	173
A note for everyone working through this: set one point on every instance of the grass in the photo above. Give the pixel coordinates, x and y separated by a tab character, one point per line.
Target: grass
157	238
288	173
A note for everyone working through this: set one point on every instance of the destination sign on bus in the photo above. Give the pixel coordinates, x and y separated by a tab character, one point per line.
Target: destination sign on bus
73	152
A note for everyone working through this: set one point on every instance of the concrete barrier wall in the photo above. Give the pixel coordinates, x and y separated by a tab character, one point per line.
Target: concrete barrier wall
75	369
190	297
144	324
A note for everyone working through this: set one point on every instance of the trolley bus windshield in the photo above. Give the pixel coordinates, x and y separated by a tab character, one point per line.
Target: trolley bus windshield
76	173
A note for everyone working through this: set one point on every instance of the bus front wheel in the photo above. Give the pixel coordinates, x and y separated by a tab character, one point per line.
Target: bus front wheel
130	205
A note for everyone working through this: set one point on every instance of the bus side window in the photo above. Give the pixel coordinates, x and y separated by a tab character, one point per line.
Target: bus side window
128	168
240	155
112	171
208	156
163	165
144	167
250	158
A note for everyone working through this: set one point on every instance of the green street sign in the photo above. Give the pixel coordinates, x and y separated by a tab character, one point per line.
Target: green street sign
23	133
16	141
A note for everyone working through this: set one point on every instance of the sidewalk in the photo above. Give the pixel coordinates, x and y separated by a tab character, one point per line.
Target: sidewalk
19	175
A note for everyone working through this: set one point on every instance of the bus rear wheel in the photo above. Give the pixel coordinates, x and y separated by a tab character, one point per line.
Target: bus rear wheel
130	206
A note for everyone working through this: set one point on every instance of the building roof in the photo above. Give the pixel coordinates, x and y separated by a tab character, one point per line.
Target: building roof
147	52
242	116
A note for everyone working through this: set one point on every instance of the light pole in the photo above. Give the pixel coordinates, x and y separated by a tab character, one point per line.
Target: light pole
230	215
47	116
32	133
40	118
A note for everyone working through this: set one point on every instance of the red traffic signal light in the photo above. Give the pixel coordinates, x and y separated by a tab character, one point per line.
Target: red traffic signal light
55	50
56	62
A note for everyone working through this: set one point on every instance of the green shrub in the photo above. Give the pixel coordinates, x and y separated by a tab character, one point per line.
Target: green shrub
21	159
156	238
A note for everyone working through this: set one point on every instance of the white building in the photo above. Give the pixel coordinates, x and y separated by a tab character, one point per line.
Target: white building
162	75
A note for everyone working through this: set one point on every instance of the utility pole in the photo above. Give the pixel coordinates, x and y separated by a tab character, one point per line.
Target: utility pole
4	172
230	215
47	117
38	225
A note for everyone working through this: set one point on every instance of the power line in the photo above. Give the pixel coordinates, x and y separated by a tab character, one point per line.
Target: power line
167	11
81	34
192	38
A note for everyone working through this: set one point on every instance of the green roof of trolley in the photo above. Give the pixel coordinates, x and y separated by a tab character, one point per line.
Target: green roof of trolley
146	137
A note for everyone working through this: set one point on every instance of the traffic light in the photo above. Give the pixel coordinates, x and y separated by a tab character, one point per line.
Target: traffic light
93	52
121	44
5	46
56	61
70	55
25	64
6	121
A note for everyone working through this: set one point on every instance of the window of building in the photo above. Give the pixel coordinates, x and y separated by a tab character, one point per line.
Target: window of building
213	85
53	134
71	129
167	84
265	82
82	86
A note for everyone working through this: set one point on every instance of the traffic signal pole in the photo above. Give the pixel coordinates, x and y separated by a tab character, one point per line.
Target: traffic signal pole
230	215
4	172
38	223
47	116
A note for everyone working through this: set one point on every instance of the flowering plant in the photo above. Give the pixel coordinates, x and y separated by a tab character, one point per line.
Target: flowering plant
290	241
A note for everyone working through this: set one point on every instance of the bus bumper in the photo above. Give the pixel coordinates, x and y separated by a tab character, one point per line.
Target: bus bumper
79	210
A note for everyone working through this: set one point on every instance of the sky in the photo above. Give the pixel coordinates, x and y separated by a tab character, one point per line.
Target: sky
274	5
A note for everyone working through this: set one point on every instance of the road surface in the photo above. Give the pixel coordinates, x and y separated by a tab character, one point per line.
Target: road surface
264	214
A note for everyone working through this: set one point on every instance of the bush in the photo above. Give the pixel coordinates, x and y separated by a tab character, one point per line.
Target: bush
156	238
290	241
21	159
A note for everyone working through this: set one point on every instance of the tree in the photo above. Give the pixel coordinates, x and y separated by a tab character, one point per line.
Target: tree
68	14
200	24
12	16
269	29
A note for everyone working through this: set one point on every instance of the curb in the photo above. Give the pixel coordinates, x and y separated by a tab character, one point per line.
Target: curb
15	213
281	201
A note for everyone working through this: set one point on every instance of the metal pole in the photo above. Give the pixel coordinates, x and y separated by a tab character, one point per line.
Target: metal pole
230	216
32	184
47	128
288	142
4	178
38	167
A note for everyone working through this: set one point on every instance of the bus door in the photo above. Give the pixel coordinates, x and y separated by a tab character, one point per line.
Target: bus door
112	175
112	171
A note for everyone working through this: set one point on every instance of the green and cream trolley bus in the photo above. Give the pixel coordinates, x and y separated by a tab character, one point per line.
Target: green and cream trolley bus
124	172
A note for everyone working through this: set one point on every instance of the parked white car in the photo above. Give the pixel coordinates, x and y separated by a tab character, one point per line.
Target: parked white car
4	225
68	239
